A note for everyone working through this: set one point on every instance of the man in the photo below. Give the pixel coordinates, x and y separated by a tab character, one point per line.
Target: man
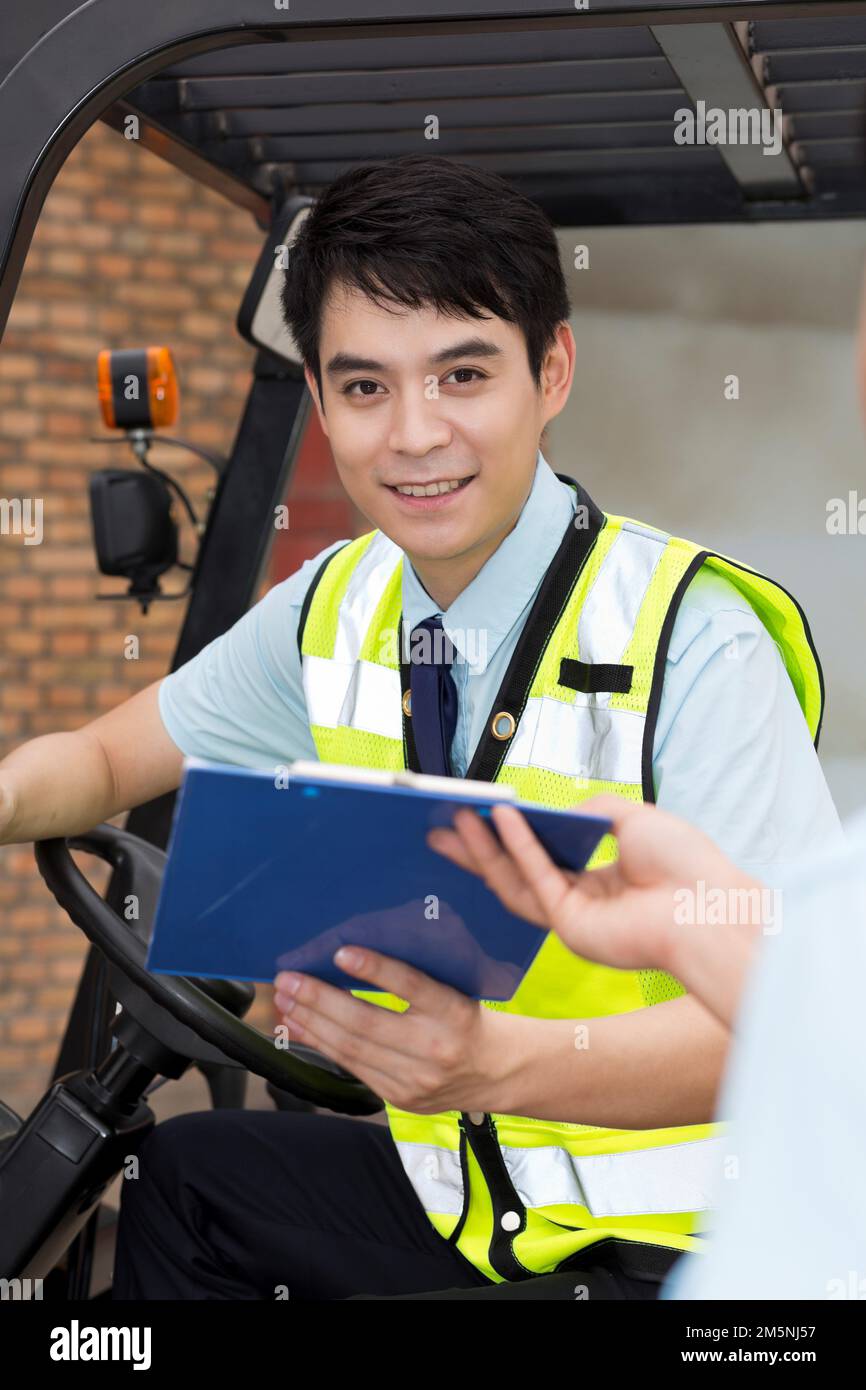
589	653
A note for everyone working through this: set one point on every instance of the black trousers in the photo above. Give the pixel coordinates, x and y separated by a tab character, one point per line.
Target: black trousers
257	1204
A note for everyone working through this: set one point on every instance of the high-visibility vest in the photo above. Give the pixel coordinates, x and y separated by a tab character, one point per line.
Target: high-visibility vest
575	715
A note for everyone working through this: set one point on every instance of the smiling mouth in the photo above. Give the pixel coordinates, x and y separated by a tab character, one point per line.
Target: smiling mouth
430	489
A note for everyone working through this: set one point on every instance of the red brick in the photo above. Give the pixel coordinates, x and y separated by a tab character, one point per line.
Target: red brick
20	423
13	1059
65	262
110	209
23	643
64	424
12	1001
82	179
114	266
25	313
61	557
27	1029
17	366
53	998
207	273
66	968
93	236
156	214
25	971
203	219
21	479
119	155
11	727
72	615
71	315
179	244
71	643
66	207
67	696
109	696
33	917
70	531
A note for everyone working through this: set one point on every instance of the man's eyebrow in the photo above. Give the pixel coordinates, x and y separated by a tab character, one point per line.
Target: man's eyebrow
470	347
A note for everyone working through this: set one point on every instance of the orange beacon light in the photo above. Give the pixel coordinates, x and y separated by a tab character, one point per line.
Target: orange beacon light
137	388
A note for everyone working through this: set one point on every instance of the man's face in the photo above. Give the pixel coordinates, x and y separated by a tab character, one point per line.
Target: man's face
414	399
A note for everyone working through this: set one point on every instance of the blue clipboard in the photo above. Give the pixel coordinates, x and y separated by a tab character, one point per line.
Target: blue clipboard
268	873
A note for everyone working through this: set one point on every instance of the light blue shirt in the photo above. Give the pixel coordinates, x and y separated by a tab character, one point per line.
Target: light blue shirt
790	1218
732	752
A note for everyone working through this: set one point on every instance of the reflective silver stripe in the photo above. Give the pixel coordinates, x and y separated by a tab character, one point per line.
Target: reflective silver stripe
641	1182
585	737
579	740
372	701
325	686
363	592
673	1178
435	1174
343	690
358	695
610	609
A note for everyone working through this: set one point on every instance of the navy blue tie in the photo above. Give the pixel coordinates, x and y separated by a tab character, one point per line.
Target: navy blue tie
434	696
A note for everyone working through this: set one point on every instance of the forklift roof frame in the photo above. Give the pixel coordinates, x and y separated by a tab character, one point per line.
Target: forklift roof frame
140	59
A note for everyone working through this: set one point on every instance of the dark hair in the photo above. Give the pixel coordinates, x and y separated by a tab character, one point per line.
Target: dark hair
426	230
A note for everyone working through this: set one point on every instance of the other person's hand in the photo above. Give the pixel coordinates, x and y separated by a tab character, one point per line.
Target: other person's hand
631	914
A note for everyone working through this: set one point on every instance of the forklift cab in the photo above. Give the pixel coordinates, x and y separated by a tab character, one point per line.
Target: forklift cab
574	104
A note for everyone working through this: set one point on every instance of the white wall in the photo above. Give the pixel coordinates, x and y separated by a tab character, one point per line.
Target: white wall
661	317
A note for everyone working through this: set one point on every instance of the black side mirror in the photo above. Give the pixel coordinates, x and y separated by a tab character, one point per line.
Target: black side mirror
134	533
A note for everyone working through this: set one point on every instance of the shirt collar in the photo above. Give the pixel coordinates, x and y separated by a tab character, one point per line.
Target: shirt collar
481	616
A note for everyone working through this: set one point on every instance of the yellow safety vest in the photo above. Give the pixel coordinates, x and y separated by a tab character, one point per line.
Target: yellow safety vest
575	716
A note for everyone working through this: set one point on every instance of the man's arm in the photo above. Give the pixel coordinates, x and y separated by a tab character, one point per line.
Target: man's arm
65	783
239	700
642	1070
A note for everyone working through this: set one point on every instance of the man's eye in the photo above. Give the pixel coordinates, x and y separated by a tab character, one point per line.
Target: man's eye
348	389
470	371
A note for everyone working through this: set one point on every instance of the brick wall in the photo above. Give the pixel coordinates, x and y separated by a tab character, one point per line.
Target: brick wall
127	252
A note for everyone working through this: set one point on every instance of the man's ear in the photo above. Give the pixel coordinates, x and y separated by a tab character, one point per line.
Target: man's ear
313	387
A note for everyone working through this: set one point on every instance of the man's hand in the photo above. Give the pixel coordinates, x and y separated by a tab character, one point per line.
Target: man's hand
446	1052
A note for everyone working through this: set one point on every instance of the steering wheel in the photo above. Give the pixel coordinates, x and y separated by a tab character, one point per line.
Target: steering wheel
301	1070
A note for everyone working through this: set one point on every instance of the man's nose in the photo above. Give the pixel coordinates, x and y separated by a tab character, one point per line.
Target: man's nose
417	423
